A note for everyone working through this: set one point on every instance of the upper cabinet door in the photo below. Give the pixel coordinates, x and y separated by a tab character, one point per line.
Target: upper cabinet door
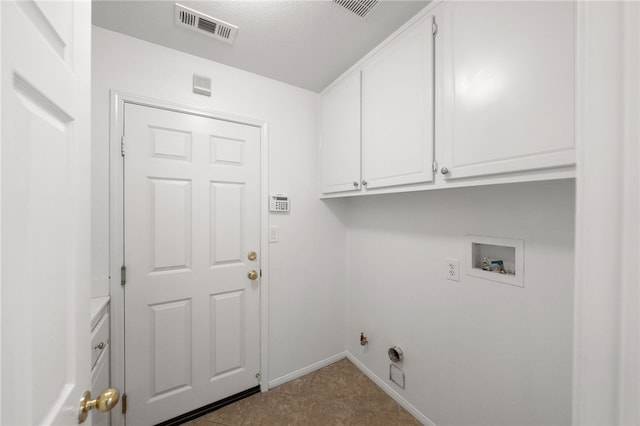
397	110
341	136
508	84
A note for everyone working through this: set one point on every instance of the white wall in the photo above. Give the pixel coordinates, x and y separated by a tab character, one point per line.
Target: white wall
307	266
476	352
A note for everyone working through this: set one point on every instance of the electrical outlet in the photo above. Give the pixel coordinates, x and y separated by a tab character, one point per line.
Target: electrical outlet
453	269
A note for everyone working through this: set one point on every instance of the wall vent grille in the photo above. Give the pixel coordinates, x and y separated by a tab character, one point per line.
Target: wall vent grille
205	24
201	85
359	7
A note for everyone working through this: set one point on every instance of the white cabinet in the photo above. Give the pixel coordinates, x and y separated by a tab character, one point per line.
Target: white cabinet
99	383
397	110
499	109
393	105
341	136
506	71
100	348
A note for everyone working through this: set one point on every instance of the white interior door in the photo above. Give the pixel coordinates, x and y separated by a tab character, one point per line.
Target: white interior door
45	57
192	216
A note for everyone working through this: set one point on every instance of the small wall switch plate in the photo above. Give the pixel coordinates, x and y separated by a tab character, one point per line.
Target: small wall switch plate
453	269
274	234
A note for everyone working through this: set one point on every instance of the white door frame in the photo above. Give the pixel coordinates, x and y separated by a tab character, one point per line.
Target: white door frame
606	367
116	127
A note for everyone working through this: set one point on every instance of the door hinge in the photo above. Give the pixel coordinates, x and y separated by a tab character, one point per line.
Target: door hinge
123	275
122	146
260	273
434	28
124	403
434	167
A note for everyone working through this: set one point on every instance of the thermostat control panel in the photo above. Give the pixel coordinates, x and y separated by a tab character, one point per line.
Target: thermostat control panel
278	203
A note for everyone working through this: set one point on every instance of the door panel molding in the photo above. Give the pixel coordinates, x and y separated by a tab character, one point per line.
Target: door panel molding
116	237
45	127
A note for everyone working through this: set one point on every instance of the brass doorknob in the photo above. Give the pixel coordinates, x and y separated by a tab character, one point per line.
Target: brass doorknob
252	255
253	275
105	402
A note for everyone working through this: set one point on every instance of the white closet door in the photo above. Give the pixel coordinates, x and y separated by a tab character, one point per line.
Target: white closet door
46	276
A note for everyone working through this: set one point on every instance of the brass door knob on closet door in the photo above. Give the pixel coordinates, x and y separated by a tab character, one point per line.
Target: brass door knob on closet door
104	402
252	255
253	275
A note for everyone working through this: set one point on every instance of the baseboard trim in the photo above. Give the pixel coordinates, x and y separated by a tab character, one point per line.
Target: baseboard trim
390	391
306	370
377	380
198	412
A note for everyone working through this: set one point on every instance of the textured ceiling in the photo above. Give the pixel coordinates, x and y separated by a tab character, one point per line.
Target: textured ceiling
304	43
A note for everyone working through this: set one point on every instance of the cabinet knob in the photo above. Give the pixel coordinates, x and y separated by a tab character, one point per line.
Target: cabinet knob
364	183
355	184
444	171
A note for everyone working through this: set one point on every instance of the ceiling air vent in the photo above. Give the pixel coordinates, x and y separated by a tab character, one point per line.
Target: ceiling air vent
359	7
205	24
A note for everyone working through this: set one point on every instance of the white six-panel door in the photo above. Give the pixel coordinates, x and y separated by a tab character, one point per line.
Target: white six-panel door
45	210
192	216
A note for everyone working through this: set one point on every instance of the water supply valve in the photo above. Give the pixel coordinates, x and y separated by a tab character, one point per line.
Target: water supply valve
363	339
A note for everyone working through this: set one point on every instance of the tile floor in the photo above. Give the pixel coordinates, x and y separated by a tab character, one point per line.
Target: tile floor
338	394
